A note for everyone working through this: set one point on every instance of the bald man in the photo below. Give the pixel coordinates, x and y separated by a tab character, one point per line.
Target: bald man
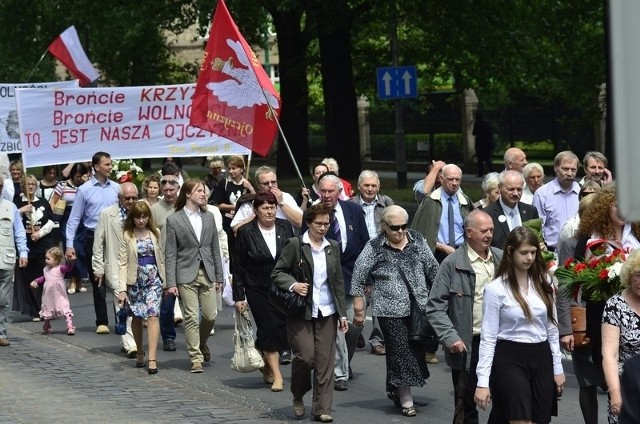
514	159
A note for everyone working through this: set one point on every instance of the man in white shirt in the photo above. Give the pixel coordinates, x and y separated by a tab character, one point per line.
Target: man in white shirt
194	268
457	318
287	208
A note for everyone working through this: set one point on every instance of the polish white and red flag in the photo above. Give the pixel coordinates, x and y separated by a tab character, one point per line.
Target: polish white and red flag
68	50
234	97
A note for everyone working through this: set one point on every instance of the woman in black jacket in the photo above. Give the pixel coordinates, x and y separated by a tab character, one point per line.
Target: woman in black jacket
258	246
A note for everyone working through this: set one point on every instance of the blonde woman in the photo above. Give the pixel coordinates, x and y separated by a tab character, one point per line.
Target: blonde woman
142	273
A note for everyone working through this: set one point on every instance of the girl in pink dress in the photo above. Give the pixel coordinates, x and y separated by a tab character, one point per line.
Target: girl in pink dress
55	302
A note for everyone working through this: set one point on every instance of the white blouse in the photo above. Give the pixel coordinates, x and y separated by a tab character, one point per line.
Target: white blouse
504	319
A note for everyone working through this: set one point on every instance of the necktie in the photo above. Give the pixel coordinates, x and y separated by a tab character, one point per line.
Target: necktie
335	228
513	219
452	232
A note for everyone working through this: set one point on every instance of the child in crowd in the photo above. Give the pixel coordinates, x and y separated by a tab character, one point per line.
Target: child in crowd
55	302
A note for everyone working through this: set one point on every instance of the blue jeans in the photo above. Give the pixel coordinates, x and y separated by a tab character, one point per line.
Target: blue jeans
167	328
6	297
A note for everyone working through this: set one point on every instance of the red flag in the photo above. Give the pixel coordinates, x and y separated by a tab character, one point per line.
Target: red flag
234	97
68	50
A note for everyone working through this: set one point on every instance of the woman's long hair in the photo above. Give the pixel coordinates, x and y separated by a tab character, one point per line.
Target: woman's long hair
139	210
596	219
188	187
538	272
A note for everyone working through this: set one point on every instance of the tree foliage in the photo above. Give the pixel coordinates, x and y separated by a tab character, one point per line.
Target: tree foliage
552	50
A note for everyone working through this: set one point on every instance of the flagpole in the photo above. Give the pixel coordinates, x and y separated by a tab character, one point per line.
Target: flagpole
249	164
35	67
284	138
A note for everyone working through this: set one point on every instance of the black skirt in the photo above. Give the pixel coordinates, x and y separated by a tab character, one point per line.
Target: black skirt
522	384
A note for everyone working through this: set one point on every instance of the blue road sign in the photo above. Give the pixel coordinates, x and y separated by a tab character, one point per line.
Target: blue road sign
400	82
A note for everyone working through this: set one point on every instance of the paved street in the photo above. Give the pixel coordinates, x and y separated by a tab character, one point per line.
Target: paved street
62	379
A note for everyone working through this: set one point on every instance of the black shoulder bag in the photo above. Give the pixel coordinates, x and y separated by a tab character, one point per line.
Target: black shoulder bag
289	302
420	331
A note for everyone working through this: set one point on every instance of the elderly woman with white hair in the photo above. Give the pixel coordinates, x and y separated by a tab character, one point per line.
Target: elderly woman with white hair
533	174
490	184
400	265
620	335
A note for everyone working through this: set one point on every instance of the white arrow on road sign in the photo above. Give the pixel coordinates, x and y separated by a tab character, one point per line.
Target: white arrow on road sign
407	82
387	83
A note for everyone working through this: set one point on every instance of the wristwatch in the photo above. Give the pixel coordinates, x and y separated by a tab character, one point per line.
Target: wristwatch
281	204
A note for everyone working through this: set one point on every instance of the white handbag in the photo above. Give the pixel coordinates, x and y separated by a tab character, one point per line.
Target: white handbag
246	357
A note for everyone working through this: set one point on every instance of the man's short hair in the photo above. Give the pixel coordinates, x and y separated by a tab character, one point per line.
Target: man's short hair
97	156
263	170
367	173
510	172
594	155
170	168
331	177
565	155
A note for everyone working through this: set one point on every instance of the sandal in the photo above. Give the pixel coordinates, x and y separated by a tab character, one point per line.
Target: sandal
409	412
394	397
139	363
152	370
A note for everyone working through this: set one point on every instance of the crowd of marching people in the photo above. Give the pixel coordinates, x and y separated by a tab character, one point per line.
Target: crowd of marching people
477	273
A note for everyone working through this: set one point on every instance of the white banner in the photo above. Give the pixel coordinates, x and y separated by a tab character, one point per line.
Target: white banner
70	125
9	126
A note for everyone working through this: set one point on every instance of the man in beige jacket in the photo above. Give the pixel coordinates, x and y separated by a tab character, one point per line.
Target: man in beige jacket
106	244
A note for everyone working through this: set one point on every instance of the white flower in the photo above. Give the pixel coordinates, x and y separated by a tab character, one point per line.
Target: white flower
614	270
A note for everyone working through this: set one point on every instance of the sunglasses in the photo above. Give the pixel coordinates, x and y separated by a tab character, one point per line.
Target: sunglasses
397	227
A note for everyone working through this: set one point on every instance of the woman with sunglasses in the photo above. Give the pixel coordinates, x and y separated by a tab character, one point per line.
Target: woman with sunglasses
399	264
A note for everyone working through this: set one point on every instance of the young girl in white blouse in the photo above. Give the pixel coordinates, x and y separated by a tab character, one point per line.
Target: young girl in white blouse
519	366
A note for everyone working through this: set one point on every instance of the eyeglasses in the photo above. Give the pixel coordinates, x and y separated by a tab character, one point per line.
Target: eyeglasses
268	183
169	181
397	227
321	224
129	198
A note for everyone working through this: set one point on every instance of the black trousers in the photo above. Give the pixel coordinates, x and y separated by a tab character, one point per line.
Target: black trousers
99	293
470	410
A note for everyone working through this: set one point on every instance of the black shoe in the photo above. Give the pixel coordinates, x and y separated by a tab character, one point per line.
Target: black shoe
340	385
285	357
169	346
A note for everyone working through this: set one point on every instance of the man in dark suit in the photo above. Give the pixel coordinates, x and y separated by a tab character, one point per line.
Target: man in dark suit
508	211
349	229
194	268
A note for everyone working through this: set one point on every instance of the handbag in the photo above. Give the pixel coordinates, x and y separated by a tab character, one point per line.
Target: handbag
579	326
59	207
121	319
420	330
289	302
246	357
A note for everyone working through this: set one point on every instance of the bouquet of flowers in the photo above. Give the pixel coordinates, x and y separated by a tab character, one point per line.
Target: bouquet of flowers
126	170
598	276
